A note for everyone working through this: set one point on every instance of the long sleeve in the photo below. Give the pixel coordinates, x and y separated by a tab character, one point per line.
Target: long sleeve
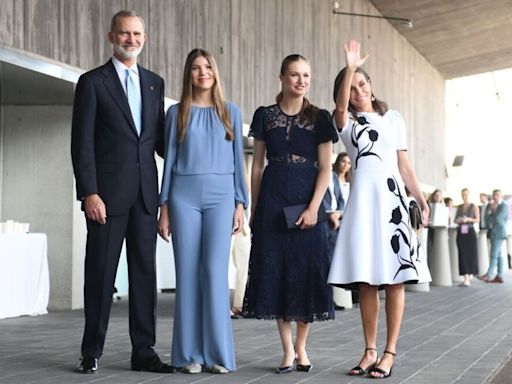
82	138
170	152
241	195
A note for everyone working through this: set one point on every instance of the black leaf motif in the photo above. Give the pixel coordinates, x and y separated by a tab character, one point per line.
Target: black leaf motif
396	216
404	236
395	243
368	154
373	135
362	120
402	267
360	133
391	184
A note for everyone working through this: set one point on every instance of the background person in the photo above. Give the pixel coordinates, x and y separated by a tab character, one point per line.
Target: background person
467	215
335	199
496	218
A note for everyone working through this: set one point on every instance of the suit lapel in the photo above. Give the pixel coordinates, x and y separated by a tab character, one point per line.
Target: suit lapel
116	90
147	90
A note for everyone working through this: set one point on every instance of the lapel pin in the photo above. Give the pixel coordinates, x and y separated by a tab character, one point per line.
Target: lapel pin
151	87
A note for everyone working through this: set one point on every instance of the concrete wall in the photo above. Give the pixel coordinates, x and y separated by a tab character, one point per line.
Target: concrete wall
37	182
248	38
37	187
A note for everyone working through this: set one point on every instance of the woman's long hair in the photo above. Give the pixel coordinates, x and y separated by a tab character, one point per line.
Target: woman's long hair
337	164
187	95
379	106
308	110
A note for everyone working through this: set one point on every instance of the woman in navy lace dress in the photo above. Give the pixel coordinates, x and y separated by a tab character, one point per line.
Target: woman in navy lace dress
288	267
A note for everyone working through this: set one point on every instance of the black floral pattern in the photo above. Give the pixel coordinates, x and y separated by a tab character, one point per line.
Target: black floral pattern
403	233
364	147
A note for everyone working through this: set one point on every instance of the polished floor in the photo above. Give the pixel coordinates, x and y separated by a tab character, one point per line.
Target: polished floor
449	335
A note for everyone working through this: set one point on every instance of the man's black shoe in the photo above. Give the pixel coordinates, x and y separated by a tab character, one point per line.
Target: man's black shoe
87	364
153	364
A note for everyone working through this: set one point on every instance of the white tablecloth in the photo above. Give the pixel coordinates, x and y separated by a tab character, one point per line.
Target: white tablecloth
24	279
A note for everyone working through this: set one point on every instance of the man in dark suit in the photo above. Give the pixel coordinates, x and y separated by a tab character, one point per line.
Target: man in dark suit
118	123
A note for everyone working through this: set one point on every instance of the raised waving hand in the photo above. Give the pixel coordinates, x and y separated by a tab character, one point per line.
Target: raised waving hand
353	54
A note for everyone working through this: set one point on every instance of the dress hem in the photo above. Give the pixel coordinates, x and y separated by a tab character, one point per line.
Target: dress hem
302	319
355	285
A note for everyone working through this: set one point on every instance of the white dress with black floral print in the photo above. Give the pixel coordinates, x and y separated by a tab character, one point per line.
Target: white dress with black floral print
376	243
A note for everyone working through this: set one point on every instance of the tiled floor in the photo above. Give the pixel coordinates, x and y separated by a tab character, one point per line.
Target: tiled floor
449	335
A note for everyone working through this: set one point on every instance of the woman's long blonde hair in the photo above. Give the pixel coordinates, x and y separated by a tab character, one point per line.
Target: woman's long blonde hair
187	96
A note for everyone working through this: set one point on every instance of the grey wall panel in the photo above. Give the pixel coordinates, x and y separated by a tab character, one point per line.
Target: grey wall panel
38	188
248	38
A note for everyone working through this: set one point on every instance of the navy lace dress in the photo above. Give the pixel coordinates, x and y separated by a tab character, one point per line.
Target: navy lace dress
288	268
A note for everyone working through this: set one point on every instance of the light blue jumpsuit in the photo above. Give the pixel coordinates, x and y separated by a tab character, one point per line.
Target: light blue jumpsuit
203	181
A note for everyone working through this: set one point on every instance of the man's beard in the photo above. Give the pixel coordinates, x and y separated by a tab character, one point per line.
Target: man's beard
125	54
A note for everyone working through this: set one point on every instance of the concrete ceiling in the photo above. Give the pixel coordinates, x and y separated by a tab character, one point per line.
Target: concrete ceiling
458	37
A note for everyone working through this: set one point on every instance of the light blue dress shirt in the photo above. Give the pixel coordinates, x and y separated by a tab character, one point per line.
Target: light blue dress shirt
205	149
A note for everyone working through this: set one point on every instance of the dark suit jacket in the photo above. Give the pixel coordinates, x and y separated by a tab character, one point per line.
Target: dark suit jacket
340	201
108	157
497	221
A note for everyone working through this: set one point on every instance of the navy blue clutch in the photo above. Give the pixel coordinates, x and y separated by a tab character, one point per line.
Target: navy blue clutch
292	213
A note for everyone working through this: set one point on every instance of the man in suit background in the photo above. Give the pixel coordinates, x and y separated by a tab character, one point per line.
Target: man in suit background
496	217
118	123
483	209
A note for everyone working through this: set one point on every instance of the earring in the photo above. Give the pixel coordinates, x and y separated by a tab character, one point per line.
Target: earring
373	98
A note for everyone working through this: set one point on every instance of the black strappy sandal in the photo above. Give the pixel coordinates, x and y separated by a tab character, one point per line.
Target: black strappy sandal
358	371
384	374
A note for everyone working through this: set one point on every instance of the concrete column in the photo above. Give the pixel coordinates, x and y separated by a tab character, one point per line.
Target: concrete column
454	255
342	297
439	258
504	254
483	252
509	252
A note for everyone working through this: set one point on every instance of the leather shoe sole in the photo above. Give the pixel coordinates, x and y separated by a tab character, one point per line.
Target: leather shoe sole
153	364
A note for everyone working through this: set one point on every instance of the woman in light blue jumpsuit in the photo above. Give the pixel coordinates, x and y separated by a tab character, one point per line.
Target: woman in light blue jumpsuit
202	201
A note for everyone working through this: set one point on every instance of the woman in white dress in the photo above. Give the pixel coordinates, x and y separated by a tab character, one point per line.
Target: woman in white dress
376	246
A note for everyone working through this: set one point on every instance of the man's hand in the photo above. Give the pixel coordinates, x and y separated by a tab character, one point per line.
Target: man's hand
164	226
95	209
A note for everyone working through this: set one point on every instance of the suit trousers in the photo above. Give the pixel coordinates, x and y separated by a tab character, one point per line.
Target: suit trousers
104	243
201	211
496	258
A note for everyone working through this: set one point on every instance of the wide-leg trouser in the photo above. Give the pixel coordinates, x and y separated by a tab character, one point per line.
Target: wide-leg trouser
201	211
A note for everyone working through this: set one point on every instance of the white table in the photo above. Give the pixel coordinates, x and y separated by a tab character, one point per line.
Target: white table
24	278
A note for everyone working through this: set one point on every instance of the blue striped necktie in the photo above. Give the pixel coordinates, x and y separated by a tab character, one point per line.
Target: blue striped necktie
134	100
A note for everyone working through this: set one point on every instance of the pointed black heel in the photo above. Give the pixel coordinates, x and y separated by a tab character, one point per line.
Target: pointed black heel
359	371
287	369
304	368
384	374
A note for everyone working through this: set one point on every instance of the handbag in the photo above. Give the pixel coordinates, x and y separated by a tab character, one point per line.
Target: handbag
292	213
415	215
